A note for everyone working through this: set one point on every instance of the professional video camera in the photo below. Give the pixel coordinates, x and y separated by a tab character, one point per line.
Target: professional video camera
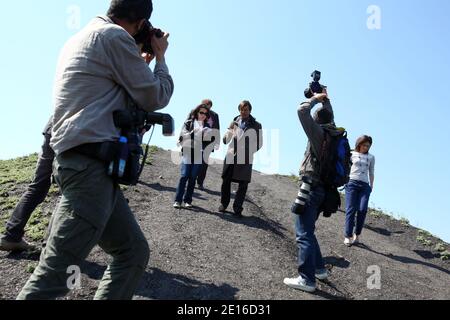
127	168
314	86
145	36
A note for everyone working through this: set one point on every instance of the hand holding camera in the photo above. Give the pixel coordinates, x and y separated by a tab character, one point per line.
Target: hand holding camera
153	42
321	97
160	45
315	87
233	125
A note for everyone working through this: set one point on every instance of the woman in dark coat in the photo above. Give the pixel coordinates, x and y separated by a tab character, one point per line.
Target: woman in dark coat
193	139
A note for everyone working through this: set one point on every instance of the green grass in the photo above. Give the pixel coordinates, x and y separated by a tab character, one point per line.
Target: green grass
425	241
37	226
16	172
294	178
31	267
425	233
404	222
445	256
375	213
440	247
151	151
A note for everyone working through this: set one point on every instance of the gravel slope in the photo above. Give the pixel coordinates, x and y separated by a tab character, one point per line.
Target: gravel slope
203	254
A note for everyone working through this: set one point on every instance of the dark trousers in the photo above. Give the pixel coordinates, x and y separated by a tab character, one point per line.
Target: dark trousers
202	174
92	210
309	254
226	192
34	195
203	170
357	194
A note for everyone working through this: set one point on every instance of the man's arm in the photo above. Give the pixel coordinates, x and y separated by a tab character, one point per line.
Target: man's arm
313	130
372	172
260	137
151	91
230	134
187	131
217	128
326	104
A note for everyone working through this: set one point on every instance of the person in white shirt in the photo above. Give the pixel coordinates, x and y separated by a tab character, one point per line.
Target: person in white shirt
194	138
359	189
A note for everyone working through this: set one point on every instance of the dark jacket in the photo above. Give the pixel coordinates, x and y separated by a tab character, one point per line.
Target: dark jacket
48	127
192	143
241	150
215	137
316	135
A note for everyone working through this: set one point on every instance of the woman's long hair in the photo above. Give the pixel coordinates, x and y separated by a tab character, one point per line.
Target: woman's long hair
196	111
361	140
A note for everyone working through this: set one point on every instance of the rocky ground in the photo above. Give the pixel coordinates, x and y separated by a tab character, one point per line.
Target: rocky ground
202	254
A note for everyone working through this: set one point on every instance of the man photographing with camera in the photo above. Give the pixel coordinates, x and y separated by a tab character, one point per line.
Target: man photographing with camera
101	70
314	189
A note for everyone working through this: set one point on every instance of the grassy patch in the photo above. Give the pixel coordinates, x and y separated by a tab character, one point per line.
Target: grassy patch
54	191
440	247
294	178
425	233
6	207
404	222
375	213
445	256
31	267
37	226
424	240
151	151
8	203
17	171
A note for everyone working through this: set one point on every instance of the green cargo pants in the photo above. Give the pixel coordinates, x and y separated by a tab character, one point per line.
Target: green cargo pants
92	211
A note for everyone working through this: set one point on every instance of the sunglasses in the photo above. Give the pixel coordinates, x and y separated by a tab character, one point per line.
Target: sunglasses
204	113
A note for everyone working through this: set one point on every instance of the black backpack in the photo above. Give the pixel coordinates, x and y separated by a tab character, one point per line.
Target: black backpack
335	161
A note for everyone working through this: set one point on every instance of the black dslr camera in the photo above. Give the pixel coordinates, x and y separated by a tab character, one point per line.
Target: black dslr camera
129	119
145	36
127	168
315	86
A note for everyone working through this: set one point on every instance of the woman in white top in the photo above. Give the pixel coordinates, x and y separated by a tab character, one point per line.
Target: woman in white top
358	190
194	138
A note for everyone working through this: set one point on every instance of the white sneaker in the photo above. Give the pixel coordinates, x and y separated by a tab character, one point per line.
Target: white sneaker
188	206
322	274
355	239
348	242
299	283
177	205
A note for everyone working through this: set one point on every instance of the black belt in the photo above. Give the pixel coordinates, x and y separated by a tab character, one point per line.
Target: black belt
104	151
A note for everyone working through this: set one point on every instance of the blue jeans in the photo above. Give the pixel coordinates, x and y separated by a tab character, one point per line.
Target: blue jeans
309	254
357	194
189	173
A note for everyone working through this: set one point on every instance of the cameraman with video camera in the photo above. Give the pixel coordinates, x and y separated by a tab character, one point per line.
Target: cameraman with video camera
100	71
313	191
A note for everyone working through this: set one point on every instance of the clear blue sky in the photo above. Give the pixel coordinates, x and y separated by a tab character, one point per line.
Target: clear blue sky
391	83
